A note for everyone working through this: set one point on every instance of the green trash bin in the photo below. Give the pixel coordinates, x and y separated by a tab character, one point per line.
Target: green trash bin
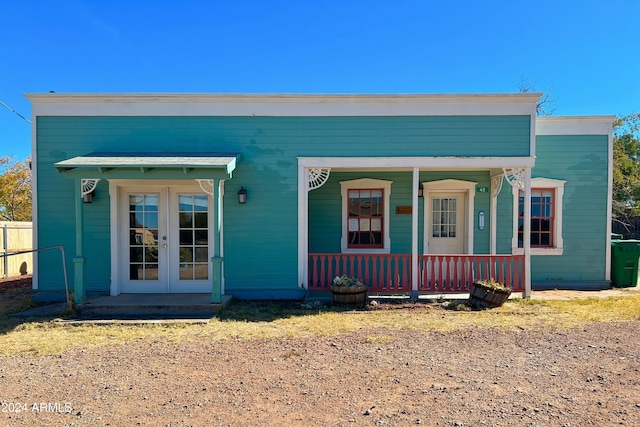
625	257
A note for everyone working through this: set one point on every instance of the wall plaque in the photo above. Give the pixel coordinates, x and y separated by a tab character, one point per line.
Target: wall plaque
403	210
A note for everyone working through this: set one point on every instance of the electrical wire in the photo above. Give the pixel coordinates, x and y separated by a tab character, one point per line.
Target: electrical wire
14	111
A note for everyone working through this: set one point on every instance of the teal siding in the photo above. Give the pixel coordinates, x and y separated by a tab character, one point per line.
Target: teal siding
325	224
261	236
325	212
504	220
582	161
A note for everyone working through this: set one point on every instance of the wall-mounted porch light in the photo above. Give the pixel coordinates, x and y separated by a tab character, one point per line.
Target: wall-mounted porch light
242	195
420	191
88	198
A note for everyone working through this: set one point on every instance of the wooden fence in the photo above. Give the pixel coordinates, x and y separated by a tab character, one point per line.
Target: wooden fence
629	227
15	237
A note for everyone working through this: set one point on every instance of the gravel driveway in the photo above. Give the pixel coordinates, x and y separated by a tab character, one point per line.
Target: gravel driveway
588	376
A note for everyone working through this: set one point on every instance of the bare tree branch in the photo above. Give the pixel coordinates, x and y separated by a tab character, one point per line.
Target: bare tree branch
546	105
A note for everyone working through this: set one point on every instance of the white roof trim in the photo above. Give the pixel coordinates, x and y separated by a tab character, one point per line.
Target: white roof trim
575	125
292	105
432	163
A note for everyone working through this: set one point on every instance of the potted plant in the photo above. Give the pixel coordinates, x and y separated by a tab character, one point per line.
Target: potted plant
488	294
348	290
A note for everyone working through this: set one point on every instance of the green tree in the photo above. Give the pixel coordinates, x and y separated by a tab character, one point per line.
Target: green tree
626	167
15	189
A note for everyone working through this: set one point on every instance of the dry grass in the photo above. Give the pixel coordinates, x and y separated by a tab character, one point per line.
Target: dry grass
247	320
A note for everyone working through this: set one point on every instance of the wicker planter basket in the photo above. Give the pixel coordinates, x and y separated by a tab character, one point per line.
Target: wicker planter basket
483	296
349	294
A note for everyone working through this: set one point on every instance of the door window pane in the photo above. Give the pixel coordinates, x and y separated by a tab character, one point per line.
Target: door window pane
444	217
201	204
186	237
143	237
202	255
186	219
186	271
201	220
186	255
194	237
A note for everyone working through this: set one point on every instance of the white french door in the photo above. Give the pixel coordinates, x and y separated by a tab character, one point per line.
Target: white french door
164	239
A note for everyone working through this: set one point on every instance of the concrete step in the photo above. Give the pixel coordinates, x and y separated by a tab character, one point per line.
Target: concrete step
151	307
148	312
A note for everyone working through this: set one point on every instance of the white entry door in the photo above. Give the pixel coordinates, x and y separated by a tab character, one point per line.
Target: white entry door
446	223
164	240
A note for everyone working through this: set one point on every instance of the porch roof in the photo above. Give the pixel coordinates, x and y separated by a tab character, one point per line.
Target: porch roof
105	161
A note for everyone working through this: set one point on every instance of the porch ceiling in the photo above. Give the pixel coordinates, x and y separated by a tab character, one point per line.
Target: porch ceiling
104	162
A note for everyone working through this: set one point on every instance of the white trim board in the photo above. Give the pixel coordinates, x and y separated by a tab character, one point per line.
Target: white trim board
35	277
293	105
432	163
578	125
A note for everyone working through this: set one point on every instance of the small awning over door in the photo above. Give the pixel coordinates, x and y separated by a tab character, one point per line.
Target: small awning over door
135	164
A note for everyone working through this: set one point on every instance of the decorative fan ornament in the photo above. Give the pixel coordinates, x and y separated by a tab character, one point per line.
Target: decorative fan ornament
496	184
515	177
206	185
317	177
88	185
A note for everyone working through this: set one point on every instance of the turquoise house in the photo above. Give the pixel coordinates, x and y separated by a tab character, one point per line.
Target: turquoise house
272	196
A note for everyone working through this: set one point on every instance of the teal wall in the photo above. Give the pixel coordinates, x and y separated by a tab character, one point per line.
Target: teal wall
583	162
261	236
325	226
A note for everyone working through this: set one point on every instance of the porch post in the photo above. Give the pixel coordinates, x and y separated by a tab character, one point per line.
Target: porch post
526	233
216	260
79	294
415	270
496	186
303	226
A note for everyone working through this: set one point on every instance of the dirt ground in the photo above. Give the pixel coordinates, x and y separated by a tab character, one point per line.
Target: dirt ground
589	376
21	282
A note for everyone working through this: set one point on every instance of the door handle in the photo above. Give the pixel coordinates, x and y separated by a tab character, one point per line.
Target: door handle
164	246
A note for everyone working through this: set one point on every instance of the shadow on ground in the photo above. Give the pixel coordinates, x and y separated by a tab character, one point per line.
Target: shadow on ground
269	311
15	297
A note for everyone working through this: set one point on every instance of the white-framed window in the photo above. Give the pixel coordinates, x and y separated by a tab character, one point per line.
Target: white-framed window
546	217
365	216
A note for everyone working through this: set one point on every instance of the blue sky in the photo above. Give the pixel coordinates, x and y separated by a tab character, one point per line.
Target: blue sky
586	51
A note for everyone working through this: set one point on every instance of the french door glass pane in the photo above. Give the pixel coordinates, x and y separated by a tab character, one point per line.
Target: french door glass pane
143	237
194	237
186	219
